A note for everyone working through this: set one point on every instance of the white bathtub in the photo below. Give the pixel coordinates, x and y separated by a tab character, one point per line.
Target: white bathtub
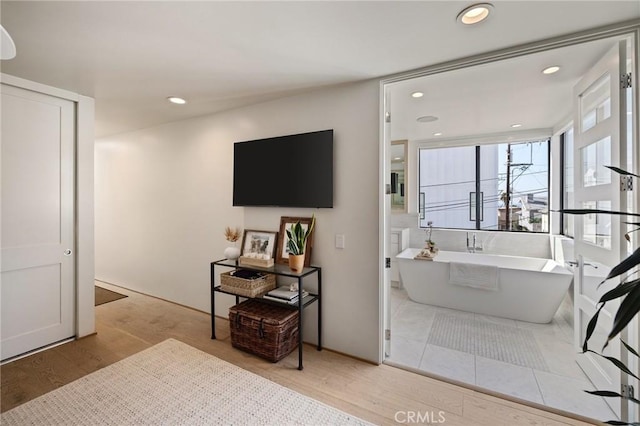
529	289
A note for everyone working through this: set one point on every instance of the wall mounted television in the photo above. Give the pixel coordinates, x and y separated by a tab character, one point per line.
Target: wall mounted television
284	171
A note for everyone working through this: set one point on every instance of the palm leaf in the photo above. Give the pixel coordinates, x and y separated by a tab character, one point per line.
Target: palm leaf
622	267
630	349
596	211
590	328
620	171
610	394
617	363
628	309
619	291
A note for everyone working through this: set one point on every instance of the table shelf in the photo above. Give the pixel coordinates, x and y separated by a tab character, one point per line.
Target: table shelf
281	271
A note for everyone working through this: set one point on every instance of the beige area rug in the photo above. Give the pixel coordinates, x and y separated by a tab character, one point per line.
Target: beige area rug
172	383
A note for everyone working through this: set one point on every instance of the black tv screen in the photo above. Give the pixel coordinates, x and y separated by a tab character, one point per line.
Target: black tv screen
285	171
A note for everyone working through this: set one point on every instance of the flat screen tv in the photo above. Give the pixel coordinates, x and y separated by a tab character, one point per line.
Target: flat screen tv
285	171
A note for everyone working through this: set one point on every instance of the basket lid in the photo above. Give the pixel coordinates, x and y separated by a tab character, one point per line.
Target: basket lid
268	313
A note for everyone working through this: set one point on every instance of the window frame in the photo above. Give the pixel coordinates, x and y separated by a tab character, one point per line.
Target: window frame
478	182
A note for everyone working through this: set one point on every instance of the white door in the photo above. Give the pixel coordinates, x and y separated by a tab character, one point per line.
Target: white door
37	270
599	240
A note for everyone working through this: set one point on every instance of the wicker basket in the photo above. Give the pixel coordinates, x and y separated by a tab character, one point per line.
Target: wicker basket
266	330
247	288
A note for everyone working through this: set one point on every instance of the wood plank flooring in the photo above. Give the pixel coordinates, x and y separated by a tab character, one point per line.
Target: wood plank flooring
380	394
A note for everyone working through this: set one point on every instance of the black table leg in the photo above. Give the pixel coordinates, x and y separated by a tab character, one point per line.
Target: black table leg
213	303
300	307
319	317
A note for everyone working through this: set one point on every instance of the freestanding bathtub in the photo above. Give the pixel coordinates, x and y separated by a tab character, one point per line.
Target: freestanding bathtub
528	289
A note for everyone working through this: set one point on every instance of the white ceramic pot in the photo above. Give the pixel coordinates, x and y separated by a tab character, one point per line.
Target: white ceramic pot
232	253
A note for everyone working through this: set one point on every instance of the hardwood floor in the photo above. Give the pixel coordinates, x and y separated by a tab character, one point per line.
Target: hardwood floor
380	394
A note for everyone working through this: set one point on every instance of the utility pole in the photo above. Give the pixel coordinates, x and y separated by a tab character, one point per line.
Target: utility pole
508	190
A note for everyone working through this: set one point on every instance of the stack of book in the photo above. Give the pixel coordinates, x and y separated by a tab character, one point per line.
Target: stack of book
283	294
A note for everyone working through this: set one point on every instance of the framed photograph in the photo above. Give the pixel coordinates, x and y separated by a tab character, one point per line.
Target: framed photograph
259	244
287	222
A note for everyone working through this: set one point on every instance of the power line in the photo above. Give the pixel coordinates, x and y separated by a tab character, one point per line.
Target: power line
473	181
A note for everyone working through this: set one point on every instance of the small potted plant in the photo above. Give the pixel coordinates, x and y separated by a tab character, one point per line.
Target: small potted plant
297	244
430	250
232	235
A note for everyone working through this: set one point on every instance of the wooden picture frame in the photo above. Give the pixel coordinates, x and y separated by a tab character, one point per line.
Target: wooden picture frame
258	244
283	252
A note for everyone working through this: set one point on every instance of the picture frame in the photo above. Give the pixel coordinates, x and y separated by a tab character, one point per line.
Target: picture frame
283	252
259	244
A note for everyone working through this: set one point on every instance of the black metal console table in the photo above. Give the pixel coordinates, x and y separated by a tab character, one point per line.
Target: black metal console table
282	271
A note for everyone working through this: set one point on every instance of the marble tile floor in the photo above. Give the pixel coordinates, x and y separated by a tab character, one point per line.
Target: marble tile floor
560	386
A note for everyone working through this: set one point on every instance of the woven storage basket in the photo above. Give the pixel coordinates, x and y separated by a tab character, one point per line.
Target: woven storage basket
247	288
266	330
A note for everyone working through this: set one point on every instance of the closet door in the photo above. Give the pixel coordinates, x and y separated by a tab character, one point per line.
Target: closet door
37	286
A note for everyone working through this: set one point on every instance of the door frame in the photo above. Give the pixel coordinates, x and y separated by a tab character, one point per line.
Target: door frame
84	204
630	28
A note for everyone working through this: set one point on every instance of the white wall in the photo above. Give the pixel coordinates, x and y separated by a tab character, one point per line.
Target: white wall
164	195
85	231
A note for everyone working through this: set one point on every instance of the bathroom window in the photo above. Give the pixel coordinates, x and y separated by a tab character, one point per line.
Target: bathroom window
486	187
566	147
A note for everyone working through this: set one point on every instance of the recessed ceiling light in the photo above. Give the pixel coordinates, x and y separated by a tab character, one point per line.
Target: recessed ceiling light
475	13
426	118
437	134
417	94
551	70
515	126
176	100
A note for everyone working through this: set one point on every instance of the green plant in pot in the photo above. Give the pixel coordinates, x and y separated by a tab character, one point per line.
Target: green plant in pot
297	244
629	290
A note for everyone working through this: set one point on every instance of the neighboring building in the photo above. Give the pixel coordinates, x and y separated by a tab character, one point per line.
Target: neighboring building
447	187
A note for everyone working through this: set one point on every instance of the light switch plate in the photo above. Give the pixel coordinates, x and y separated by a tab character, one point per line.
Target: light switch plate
340	241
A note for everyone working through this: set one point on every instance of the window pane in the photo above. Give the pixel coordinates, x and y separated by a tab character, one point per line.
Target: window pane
568	182
447	177
594	159
526	200
596	228
595	103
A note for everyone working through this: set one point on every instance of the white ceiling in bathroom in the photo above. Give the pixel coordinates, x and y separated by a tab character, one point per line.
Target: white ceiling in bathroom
488	99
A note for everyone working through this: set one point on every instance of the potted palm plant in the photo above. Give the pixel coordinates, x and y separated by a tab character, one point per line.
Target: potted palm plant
297	244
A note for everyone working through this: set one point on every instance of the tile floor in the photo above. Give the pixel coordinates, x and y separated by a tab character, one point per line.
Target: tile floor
561	386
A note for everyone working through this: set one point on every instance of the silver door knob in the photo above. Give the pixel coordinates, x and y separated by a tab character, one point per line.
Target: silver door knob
67	252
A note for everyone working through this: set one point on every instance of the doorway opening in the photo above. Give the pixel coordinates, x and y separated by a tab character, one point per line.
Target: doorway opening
503	100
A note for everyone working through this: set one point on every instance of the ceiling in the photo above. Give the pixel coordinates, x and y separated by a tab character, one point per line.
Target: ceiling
486	100
219	55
